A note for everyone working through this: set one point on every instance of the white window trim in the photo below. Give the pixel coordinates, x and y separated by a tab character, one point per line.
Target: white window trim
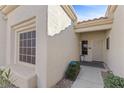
18	39
23	27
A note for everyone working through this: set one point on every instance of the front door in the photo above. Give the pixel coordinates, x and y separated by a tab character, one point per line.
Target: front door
91	50
97	50
86	50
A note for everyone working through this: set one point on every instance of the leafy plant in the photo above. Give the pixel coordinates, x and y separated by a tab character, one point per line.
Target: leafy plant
5	78
73	70
112	81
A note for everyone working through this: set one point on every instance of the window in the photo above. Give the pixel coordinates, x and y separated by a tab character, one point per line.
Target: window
27	47
84	47
107	43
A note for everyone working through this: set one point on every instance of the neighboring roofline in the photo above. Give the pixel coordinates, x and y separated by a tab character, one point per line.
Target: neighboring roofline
6	9
108	19
94	22
70	12
110	10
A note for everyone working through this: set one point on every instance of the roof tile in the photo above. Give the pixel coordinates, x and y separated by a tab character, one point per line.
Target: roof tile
92	19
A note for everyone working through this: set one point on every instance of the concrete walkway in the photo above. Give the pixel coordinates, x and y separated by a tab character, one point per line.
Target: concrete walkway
89	77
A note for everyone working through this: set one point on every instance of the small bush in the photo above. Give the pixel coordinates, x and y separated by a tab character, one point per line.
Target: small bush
112	81
5	78
73	70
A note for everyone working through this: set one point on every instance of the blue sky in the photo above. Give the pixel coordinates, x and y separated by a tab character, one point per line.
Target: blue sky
85	12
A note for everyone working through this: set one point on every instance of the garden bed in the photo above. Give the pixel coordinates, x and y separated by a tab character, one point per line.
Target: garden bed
64	83
112	81
70	75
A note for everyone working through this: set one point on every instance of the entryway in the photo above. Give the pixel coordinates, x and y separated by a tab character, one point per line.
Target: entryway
92	46
91	50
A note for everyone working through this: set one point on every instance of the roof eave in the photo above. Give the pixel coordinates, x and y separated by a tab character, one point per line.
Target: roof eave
6	9
94	23
70	12
111	10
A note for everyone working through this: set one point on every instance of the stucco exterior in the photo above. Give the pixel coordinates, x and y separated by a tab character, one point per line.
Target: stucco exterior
53	50
63	47
18	15
58	42
114	56
2	39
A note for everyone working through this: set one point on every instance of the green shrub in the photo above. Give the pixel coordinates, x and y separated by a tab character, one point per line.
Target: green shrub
5	78
73	70
112	81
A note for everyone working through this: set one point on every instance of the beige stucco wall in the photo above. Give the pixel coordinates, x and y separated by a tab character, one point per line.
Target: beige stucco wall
61	48
115	55
92	37
18	15
53	53
56	51
2	39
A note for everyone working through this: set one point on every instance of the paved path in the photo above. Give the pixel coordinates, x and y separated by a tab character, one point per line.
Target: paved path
89	77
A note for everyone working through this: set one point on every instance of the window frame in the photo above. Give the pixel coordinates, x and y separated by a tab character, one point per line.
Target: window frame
17	48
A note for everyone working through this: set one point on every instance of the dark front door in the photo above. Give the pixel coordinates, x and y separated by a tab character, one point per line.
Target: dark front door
84	45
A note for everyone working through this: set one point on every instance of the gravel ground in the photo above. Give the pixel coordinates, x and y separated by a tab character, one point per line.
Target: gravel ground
64	83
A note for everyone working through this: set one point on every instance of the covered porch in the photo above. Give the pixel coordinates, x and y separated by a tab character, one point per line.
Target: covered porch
93	39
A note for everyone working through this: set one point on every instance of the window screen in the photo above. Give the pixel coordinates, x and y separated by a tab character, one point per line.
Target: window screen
27	47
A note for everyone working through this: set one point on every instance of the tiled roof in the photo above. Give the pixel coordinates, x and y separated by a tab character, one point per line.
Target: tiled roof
95	19
94	22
